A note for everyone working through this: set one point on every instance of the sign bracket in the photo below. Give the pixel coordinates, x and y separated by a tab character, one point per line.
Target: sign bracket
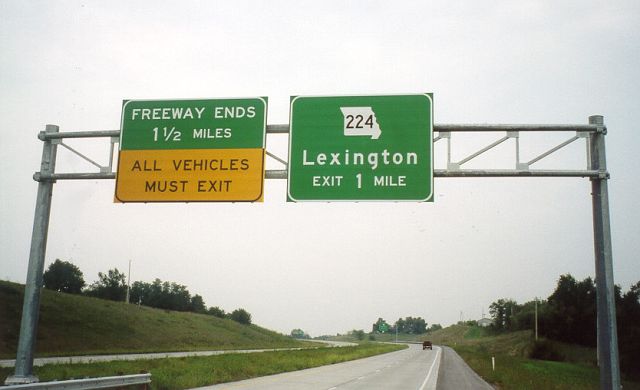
278	159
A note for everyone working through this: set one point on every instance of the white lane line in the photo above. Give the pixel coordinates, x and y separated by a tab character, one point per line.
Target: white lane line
422	387
361	378
333	388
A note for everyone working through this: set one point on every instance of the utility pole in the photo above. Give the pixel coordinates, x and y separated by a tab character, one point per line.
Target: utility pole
536	315
129	281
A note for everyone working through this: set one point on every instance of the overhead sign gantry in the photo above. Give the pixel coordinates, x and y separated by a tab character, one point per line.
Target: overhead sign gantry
355	119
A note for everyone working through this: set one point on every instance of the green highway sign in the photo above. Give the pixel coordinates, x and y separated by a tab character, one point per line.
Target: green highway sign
361	148
193	124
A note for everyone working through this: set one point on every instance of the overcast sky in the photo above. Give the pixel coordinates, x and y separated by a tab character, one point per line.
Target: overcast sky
329	267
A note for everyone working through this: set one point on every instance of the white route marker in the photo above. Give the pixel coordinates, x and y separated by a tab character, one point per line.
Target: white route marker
359	121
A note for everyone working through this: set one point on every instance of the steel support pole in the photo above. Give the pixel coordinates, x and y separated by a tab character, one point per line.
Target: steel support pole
31	305
606	323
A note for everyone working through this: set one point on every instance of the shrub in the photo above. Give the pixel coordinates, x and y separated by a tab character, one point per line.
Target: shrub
63	276
545	350
242	316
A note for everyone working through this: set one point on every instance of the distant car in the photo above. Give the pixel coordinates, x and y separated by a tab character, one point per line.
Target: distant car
427	345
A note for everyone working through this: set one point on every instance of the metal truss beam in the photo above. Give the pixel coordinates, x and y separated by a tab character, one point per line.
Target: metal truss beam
443	131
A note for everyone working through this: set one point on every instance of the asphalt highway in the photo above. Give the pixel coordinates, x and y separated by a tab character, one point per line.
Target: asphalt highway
411	368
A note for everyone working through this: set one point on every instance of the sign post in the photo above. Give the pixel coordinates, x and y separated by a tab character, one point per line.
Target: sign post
361	148
33	285
192	150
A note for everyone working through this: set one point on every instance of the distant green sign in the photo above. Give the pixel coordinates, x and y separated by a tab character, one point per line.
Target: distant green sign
383	327
193	124
361	148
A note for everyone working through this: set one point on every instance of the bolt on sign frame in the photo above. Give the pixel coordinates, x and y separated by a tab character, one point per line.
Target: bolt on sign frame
596	170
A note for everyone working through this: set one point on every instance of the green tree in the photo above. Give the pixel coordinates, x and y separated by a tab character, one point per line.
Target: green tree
524	317
418	325
178	297
63	276
197	304
503	311
400	326
216	312
434	327
572	312
111	285
140	293
166	295
299	334
359	334
411	325
241	315
496	311
628	320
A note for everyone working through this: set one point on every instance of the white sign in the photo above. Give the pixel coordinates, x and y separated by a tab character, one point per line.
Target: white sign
360	121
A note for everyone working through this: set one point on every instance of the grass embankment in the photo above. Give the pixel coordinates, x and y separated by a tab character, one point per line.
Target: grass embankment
77	325
381	337
184	373
514	368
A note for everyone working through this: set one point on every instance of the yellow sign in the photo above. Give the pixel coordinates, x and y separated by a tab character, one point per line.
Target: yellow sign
190	175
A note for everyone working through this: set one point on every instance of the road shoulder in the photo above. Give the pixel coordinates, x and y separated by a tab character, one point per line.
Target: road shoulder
455	373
